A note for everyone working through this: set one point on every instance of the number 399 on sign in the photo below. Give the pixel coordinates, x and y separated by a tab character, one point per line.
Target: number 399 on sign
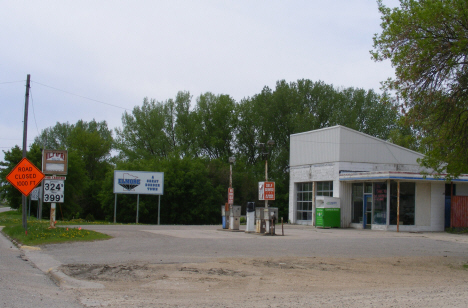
54	191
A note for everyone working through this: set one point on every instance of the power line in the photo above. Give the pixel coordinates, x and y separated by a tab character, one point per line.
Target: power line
5	82
81	96
34	114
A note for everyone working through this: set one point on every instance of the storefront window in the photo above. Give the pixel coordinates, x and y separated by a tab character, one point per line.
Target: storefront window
325	189
380	203
304	197
304	201
407	203
357	202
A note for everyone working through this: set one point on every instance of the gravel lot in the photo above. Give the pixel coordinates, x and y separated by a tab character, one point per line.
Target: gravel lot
203	266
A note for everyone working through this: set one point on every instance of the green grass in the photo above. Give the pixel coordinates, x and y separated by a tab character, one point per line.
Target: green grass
40	234
457	230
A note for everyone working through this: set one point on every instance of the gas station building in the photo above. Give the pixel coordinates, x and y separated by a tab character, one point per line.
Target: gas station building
364	174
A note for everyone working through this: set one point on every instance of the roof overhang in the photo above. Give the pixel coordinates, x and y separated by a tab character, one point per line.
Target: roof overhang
397	176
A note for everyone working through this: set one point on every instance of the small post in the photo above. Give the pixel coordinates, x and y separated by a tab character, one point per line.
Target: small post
282	227
159	208
398	208
115	209
138	207
52	215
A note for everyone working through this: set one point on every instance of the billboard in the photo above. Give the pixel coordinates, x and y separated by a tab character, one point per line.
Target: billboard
138	182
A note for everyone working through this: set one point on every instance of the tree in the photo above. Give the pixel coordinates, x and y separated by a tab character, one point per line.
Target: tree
145	131
89	145
216	122
427	43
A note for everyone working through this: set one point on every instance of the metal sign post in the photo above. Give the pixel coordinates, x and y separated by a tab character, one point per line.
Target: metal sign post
138	182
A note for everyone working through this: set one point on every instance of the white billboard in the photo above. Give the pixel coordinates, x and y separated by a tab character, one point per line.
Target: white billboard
138	182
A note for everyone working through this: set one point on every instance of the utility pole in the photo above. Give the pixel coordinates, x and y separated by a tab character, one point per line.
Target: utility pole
25	137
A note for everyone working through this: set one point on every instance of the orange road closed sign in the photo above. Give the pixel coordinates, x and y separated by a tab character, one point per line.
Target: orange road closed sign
25	176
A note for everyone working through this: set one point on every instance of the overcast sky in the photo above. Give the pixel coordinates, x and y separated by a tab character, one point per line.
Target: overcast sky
84	56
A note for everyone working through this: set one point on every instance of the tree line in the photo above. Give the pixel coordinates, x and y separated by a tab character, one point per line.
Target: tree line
190	140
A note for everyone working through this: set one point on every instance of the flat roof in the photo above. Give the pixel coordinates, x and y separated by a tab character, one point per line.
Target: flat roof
396	175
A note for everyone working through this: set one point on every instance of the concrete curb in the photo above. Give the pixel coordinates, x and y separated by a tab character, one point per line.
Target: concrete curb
67	282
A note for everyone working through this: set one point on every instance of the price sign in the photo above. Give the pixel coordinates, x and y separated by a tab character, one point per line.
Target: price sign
231	196
54	191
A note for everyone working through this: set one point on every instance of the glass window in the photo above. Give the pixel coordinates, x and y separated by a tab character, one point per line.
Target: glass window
357	202
380	203
304	197
304	201
407	203
325	189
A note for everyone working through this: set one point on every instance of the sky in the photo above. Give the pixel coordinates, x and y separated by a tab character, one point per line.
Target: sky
98	59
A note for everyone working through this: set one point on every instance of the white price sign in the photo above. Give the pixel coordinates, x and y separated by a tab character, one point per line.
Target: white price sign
54	191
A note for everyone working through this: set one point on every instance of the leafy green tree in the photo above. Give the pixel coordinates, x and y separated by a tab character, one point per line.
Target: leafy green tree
185	126
426	41
192	194
144	133
12	158
216	122
89	145
9	192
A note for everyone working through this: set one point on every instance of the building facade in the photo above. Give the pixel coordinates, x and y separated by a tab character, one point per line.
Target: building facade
380	185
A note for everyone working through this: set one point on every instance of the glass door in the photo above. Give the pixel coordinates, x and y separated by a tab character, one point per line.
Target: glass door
367	221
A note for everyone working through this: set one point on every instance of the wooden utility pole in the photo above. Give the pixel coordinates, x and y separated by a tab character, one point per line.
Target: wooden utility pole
25	137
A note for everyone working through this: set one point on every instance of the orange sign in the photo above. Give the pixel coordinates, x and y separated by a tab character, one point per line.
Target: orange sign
25	176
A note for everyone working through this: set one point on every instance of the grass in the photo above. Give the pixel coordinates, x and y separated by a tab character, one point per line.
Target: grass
457	230
40	234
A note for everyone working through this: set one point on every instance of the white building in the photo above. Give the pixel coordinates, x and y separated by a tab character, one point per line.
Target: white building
364	172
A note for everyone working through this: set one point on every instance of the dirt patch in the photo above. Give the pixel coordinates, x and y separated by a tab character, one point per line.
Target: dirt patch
280	282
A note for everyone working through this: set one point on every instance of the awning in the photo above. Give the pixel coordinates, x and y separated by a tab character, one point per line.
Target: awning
349	176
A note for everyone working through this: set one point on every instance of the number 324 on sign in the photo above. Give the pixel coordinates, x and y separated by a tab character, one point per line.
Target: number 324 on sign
54	190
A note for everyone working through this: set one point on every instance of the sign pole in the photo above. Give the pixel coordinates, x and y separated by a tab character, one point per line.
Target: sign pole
25	137
159	208
52	215
115	208
138	206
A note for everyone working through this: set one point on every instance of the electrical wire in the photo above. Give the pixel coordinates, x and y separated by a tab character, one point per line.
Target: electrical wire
81	96
5	82
34	113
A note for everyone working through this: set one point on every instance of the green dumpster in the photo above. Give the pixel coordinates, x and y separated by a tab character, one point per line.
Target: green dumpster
327	212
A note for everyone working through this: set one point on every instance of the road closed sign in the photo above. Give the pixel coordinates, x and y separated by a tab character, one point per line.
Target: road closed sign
25	176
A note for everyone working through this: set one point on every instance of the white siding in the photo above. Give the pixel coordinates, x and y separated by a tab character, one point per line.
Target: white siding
462	189
320	146
342	144
422	211
359	147
345	202
437	206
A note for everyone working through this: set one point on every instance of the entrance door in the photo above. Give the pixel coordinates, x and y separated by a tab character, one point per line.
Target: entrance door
367	221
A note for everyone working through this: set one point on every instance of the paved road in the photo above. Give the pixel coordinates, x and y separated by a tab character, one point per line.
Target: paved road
4	209
177	244
174	244
23	285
